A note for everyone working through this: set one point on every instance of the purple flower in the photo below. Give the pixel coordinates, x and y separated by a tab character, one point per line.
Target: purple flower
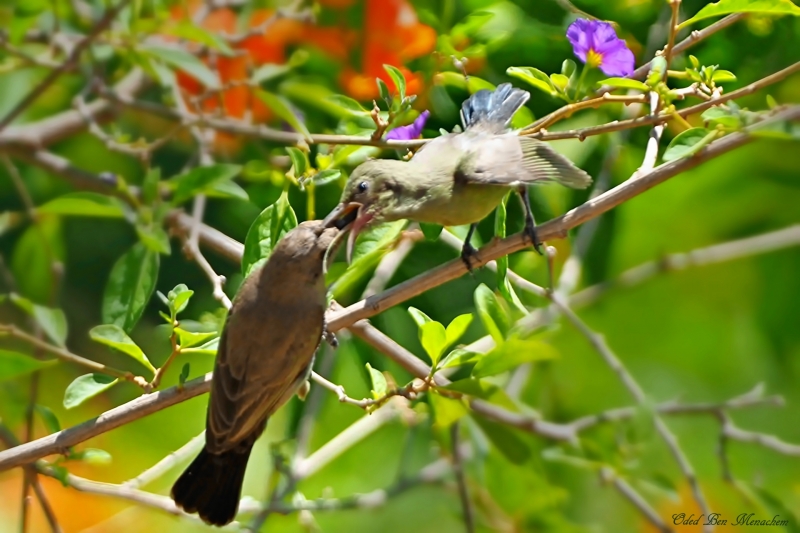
412	131
596	44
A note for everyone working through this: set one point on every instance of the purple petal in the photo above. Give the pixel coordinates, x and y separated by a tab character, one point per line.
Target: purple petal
617	61
412	131
579	35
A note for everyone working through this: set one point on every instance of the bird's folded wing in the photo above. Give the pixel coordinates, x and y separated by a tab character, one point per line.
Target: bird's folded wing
513	160
258	378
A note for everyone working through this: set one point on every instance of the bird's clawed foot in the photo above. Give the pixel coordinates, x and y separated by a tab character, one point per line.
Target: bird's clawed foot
468	254
530	233
330	337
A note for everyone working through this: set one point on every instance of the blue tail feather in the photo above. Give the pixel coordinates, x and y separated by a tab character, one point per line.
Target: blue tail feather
493	110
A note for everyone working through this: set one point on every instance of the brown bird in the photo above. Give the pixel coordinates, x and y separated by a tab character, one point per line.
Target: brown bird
265	354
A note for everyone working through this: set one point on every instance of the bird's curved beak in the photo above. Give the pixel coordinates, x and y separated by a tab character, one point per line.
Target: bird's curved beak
348	216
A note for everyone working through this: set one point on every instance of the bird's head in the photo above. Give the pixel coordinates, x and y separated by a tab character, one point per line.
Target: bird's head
371	195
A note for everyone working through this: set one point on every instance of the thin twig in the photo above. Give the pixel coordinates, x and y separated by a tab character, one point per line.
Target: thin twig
608	475
165	464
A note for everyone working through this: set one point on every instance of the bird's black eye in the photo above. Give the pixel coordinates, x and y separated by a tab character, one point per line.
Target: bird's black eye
362	187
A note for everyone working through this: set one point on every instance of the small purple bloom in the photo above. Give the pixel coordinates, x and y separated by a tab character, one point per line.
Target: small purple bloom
596	44
412	131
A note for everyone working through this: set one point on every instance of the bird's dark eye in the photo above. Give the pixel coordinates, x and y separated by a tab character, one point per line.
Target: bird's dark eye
362	187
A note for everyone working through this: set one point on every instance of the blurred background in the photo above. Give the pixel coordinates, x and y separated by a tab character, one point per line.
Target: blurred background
703	334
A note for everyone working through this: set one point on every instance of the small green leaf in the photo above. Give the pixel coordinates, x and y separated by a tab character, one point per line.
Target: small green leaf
209	348
345	102
179	297
723	76
473	387
433	338
53	321
86	387
299	161
14	365
326	176
150	185
185	29
130	286
491	313
154	237
378	380
49	418
398	79
534	77
725	7
457	327
506	440
560	81
188	63
420	318
372	245
719	115
512	353
184	375
431	231
85	204
269	71
93	456
201	180
383	90
568	68
459	357
657	69
265	232
446	411
281	107
113	336
624	83
187	339
688	143
35	251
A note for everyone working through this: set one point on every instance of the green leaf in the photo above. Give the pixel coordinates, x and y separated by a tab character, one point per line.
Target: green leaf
14	365
505	440
185	29
503	284
209	348
473	387
113	336
154	237
657	69
459	357
186	62
535	77
372	245
49	418
491	313
184	375
688	143
446	411
510	354
93	456
722	116
85	204
457	327
434	339
383	90
299	161
725	7
560	81
345	102
37	250
150	185
723	76
326	176
53	321
179	297
568	68
624	83
398	79
281	107
130	286
420	318
431	231
86	387
227	189
267	72
265	232
378	380
201	180
187	339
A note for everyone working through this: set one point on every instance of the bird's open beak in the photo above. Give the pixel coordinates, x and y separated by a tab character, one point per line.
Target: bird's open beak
348	216
342	216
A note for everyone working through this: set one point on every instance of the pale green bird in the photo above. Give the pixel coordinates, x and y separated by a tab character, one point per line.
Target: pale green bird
458	178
